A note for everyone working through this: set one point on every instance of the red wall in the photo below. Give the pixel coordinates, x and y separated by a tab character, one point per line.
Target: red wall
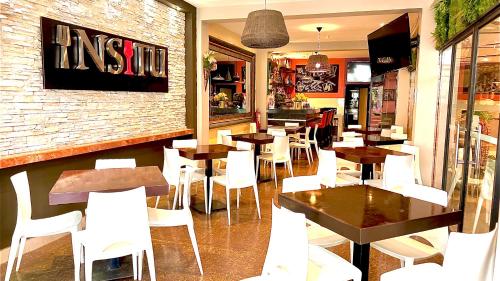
342	76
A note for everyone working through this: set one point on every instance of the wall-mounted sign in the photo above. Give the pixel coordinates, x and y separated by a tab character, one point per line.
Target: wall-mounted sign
79	58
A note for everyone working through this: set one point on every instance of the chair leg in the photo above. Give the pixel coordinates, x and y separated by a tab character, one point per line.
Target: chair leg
256	194
407	262
351	250
176	195
88	268
151	264
195	246
14	246
238	193
205	195
228	207
20	252
140	259
76	253
134	265
308	156
157	201
275	177
290	168
478	211
210	194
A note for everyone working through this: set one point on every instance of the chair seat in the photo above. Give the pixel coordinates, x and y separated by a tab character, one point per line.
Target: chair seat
374	183
346	180
269	157
299	145
53	225
198	175
419	272
323	237
405	247
325	265
222	181
162	217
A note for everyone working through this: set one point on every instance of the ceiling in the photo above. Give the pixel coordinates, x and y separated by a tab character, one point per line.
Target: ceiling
218	3
340	28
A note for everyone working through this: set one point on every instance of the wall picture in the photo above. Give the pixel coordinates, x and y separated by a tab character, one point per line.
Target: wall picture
306	82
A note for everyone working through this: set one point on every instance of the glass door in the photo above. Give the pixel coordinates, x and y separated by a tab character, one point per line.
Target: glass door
457	120
484	130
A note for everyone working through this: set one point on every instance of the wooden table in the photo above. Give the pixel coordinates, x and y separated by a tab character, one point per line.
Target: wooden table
375	140
256	138
74	186
366	156
207	153
366	214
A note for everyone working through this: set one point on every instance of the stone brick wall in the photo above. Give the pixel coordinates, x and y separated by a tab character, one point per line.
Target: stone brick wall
33	119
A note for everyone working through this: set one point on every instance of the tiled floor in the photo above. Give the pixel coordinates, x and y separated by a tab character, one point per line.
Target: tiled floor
227	252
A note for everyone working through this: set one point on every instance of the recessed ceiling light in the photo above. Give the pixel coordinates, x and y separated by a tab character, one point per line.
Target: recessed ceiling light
381	24
312	27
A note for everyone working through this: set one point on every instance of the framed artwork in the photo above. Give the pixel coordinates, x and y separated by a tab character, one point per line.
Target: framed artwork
306	82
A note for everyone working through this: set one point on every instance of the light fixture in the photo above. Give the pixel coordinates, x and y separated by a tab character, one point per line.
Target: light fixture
265	29
318	63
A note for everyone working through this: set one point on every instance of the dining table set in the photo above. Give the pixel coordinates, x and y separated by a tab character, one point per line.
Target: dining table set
361	213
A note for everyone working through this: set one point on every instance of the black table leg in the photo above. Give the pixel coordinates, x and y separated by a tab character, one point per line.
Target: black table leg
361	259
366	172
216	205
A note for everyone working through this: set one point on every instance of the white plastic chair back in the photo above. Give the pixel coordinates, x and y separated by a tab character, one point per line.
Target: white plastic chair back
172	166
278	132
327	167
397	136
243	145
114	163
350	134
22	188
349	142
287	253
188	177
292	124
398	172
240	171
227	140
253	128
306	137
397	129
353	126
190	143
386	133
303	183
281	148
221	134
470	256
105	227
487	183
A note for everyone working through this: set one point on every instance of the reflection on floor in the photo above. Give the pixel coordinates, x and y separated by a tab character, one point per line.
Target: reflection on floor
227	252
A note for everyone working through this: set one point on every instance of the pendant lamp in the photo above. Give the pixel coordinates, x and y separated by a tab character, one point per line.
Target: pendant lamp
318	63
265	29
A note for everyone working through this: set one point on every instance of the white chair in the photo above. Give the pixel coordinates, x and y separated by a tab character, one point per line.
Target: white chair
173	174
386	133
398	136
292	124
289	257
114	163
303	144
351	134
327	171
221	134
277	132
398	171
189	143
26	227
122	232
407	249
239	174
486	193
182	217
315	140
353	126
468	257
226	140
316	234
344	166
252	128
410	149
397	129
280	154
243	145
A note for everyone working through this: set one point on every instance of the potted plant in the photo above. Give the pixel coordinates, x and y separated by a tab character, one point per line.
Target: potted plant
298	100
209	64
221	98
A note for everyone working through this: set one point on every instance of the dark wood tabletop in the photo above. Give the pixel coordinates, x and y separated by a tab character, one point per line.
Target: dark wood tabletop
73	186
379	140
366	214
206	152
256	138
365	154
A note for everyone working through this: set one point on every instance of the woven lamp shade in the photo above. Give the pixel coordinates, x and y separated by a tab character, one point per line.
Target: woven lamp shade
265	29
318	63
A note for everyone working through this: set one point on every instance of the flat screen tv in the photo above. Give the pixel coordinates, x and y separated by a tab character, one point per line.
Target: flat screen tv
389	46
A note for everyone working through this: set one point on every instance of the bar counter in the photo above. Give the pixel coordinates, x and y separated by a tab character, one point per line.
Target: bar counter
281	115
